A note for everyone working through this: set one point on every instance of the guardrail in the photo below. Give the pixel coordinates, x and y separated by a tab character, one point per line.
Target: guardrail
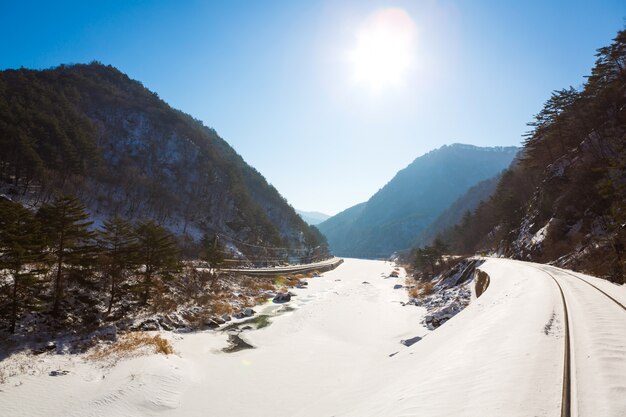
293	269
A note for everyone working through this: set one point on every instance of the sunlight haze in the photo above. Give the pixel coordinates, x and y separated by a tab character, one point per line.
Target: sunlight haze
384	52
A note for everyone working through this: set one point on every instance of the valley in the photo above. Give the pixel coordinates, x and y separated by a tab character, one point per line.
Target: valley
323	209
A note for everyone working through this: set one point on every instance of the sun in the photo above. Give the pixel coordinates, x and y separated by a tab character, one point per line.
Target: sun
384	50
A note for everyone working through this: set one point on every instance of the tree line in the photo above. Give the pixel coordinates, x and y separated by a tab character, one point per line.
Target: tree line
53	260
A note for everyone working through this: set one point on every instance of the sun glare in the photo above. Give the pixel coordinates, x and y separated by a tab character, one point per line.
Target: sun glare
384	50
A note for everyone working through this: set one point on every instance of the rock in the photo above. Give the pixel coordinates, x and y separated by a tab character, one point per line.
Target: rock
236	344
58	373
239	315
226	317
148	325
397	287
411	341
248	312
282	297
394	274
49	347
107	333
165	325
174	320
211	324
218	320
365	282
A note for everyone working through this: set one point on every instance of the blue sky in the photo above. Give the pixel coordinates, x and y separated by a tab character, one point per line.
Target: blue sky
273	79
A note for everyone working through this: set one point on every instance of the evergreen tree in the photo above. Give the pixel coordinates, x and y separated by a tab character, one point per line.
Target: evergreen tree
158	253
118	254
430	256
20	249
66	230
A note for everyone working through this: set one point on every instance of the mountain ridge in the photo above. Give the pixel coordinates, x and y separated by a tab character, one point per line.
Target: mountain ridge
91	131
392	218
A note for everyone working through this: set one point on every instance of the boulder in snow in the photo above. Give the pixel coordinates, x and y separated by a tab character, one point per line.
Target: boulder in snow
282	297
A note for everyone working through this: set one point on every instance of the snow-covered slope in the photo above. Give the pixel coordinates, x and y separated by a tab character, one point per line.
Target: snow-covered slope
339	352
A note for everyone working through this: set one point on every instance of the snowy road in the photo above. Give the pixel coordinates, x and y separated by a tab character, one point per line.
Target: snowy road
337	352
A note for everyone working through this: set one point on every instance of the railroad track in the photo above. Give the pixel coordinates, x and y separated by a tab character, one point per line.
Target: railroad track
566	401
566	396
589	283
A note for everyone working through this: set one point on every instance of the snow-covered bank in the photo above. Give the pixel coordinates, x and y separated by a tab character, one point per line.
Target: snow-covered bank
339	353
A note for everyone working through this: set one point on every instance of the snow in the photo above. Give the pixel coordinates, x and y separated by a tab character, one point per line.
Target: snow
541	234
340	352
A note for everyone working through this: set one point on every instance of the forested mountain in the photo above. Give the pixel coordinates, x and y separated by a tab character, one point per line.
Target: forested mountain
393	217
312	217
454	214
91	132
565	201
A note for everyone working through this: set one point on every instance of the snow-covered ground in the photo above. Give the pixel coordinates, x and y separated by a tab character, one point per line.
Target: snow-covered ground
339	353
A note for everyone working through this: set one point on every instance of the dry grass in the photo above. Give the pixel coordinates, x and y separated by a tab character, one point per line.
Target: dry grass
221	307
421	289
258	284
261	299
132	344
280	281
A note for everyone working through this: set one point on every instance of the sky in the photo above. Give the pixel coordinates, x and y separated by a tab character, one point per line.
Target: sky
329	99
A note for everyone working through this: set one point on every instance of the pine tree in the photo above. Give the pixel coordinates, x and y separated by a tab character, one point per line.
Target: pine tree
118	254
430	256
66	230
157	253
20	249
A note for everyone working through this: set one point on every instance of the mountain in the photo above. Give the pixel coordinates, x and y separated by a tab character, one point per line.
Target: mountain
392	218
453	215
312	217
90	131
339	226
564	202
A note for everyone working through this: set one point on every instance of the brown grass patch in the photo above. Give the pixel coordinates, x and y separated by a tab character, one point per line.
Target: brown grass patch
421	289
258	284
132	344
221	307
262	299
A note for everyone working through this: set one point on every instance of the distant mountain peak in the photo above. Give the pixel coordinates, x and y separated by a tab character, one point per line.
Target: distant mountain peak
394	216
312	217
